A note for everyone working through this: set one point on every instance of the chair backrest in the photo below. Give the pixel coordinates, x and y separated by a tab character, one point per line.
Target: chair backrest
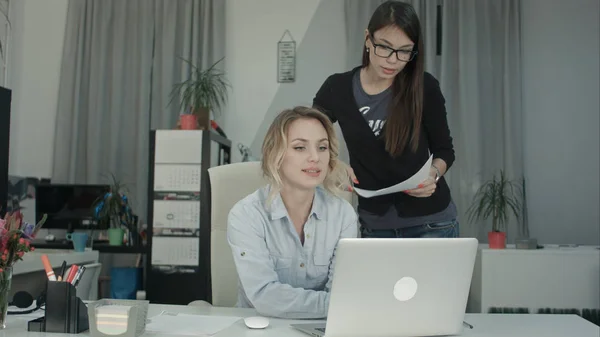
228	185
87	288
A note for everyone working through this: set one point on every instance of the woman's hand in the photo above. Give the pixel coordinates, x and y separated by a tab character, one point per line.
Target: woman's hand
352	176
426	188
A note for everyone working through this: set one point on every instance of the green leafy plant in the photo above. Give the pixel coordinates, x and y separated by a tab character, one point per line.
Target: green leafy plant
205	89
112	209
496	198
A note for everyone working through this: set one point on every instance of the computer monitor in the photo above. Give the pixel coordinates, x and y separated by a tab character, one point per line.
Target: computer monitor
68	206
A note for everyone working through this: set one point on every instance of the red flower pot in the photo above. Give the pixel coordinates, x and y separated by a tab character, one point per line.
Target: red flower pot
188	122
497	240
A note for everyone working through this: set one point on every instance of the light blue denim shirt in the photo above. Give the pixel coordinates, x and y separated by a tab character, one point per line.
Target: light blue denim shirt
278	276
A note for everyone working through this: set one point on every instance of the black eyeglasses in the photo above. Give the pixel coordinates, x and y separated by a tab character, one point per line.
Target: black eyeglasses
385	52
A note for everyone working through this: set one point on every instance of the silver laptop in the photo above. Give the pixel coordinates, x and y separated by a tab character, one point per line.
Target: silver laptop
398	287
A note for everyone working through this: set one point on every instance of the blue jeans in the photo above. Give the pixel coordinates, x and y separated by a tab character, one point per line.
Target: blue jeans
446	229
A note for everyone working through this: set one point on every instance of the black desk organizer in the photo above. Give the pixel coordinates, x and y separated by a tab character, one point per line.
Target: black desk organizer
65	312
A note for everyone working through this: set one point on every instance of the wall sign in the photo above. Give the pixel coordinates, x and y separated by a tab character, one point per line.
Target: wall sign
286	59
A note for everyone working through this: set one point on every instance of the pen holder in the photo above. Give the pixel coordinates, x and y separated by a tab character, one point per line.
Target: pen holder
65	312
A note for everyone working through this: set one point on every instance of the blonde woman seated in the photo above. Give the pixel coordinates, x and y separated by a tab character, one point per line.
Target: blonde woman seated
283	236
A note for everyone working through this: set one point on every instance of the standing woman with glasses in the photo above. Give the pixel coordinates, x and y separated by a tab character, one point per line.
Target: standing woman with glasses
392	115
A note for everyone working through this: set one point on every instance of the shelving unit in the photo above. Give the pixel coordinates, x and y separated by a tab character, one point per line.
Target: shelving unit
178	260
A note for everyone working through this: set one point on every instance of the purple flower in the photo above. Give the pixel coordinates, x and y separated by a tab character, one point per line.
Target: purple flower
28	230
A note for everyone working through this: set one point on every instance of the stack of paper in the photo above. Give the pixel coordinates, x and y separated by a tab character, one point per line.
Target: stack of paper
112	319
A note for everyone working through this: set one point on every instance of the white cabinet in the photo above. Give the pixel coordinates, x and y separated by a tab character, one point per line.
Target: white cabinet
554	277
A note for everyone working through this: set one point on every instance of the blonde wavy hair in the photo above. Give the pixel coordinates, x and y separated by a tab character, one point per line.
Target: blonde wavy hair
275	146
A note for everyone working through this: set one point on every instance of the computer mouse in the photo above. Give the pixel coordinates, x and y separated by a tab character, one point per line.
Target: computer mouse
256	322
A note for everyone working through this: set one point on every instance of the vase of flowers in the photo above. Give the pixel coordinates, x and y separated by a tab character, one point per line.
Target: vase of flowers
5	283
15	241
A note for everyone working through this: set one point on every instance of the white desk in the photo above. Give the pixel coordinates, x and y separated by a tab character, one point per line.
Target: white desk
485	325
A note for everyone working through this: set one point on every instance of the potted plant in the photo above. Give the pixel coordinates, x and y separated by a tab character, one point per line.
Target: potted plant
113	212
204	91
497	198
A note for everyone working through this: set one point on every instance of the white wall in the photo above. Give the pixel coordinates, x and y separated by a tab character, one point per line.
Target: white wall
33	75
253	30
561	79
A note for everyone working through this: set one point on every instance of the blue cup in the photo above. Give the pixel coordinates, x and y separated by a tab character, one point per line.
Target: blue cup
79	241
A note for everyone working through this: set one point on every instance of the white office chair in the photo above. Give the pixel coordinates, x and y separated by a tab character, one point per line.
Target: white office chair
87	288
229	184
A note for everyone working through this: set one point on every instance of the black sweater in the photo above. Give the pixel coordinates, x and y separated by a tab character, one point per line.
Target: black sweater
374	167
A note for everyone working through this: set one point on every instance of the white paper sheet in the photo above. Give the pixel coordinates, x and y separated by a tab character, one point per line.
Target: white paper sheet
176	214
189	325
408	184
177	177
175	251
178	147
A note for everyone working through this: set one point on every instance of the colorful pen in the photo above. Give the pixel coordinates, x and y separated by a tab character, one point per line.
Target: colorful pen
78	276
72	273
48	268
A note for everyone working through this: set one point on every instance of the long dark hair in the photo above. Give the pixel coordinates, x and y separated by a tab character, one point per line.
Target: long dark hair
403	124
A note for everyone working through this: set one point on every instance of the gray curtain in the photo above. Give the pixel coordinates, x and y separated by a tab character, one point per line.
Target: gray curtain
479	71
120	61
